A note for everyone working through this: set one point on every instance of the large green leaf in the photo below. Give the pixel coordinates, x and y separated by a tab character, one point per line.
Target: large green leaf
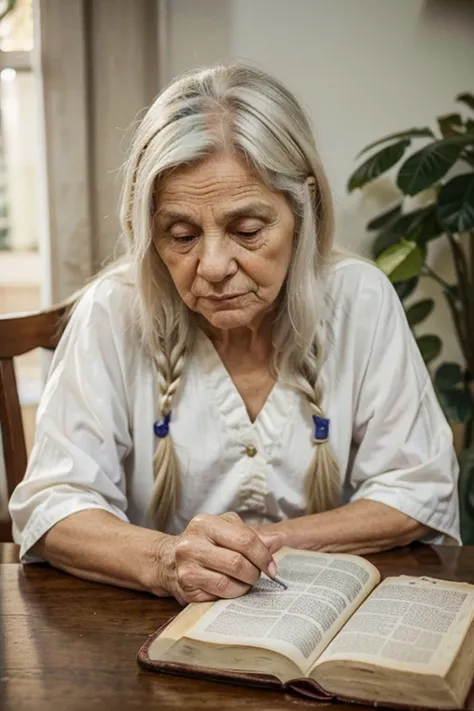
468	156
405	288
428	165
377	164
402	261
456	404
451	125
384	241
467	99
456	204
428	226
381	220
411	133
448	375
430	347
419	311
420	225
408	223
453	395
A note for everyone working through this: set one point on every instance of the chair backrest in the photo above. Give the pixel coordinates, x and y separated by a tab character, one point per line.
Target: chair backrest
20	334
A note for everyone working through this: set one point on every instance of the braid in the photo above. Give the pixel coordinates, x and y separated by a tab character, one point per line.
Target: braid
166	487
322	482
322	485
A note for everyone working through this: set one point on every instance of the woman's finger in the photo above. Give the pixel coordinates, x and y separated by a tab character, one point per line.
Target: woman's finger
200	584
223	560
235	536
273	541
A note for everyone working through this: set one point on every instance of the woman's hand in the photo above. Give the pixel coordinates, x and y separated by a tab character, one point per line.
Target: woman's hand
215	557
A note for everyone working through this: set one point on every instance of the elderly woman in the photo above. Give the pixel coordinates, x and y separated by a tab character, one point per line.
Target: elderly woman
236	384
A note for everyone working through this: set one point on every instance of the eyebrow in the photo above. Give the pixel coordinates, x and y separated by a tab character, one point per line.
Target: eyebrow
253	209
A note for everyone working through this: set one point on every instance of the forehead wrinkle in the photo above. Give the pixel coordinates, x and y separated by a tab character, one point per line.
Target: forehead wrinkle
191	198
254	209
210	189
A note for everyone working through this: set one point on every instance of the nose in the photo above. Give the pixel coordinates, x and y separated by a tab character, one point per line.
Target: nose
216	261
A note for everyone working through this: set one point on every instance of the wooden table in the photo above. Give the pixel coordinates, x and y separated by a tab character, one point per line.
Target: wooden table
71	645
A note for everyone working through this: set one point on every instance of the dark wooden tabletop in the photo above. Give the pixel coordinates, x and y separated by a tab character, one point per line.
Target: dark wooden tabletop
71	645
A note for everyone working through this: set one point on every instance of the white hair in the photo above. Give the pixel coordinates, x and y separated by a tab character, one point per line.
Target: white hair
237	108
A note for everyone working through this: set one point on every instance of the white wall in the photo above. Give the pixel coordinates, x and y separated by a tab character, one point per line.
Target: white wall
363	68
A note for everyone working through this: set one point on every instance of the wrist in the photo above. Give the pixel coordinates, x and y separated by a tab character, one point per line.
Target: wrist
157	570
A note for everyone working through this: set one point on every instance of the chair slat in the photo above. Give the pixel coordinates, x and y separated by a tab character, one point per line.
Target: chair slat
24	333
5	534
13	436
20	334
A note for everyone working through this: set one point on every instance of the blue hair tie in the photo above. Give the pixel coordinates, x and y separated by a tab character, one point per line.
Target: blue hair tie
321	429
161	428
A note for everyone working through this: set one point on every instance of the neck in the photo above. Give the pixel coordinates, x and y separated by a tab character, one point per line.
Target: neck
254	341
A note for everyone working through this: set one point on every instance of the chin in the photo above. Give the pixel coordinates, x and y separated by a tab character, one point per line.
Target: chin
228	319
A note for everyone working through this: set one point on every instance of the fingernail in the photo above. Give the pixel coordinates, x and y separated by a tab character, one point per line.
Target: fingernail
272	569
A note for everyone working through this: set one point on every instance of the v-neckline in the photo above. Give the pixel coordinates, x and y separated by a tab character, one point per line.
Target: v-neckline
215	363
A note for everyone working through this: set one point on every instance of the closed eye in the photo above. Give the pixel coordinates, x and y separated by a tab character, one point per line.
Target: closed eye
248	234
183	239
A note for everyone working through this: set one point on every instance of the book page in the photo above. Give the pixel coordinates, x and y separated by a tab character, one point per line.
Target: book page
323	592
407	623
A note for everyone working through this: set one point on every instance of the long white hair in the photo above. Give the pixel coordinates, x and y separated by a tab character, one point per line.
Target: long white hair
237	108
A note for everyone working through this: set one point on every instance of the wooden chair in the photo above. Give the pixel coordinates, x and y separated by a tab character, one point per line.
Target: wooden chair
20	334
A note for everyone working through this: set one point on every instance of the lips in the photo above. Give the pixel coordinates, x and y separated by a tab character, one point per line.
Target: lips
224	297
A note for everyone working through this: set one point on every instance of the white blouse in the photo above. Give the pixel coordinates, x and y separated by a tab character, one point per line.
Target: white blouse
95	440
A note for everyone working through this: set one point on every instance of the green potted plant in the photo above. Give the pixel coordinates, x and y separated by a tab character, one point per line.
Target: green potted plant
442	164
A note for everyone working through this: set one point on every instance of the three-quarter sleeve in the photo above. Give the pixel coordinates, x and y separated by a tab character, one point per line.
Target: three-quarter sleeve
404	445
82	429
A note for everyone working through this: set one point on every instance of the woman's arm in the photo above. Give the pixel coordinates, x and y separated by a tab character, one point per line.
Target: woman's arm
360	527
71	507
402	471
215	557
96	545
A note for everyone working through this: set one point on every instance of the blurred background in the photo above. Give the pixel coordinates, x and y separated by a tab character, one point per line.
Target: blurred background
76	74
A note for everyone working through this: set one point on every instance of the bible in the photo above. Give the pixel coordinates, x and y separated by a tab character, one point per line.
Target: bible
336	632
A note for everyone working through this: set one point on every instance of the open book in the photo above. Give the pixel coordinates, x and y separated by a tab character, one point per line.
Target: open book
335	632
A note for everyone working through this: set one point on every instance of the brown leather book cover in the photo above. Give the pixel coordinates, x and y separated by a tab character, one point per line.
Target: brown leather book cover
302	687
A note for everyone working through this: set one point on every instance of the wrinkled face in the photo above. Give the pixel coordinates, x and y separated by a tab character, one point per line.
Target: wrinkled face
226	240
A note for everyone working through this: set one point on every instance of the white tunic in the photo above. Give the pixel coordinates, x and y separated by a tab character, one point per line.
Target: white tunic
95	441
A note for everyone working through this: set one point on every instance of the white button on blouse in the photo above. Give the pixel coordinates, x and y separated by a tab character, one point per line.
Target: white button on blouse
95	440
